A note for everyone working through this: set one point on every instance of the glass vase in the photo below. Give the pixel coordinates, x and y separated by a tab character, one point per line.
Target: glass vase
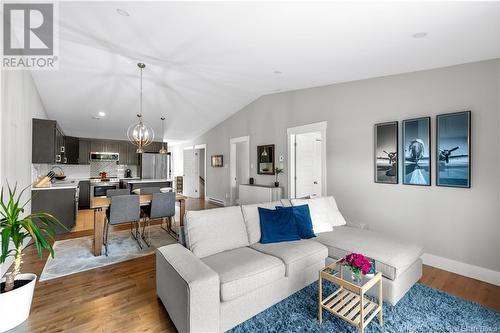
356	278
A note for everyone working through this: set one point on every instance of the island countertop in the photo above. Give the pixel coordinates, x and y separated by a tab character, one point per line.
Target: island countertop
145	181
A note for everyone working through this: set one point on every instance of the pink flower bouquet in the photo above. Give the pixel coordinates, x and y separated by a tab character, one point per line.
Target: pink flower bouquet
357	262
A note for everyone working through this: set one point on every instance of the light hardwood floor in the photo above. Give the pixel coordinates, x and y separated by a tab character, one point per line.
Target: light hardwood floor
122	297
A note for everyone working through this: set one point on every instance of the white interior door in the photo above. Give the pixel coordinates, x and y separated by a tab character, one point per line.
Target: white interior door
307	165
191	173
239	165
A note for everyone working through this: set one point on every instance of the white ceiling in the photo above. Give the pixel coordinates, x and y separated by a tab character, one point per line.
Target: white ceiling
207	60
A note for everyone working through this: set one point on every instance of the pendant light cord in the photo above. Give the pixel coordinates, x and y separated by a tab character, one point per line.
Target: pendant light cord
141	94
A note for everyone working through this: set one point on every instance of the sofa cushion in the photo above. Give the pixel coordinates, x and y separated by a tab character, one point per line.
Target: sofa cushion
252	221
215	230
392	257
296	255
324	213
243	270
277	225
302	218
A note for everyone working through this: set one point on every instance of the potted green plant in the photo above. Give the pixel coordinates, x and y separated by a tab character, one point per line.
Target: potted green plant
277	172
16	290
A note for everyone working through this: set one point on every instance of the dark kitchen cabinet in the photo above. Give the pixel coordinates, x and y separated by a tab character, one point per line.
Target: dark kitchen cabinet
123	151
43	141
60	148
110	146
97	146
60	203
72	149
133	156
83	151
84	197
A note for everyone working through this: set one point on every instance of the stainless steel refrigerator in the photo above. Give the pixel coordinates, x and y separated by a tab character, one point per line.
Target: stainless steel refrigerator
155	166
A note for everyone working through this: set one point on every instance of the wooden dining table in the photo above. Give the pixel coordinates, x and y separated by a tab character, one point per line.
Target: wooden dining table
100	205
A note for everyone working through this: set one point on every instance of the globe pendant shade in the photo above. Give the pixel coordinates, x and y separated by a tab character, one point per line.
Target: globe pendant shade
140	135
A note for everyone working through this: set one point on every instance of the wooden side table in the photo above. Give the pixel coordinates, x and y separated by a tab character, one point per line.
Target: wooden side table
349	301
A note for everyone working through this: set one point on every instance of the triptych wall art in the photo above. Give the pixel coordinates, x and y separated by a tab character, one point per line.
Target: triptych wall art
453	135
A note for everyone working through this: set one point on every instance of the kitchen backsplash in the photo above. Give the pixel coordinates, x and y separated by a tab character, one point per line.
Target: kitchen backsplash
84	171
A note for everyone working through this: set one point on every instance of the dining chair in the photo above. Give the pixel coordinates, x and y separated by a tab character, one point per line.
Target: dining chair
123	209
162	206
122	191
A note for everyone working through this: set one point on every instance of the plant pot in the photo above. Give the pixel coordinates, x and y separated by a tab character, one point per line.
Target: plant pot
15	305
276	184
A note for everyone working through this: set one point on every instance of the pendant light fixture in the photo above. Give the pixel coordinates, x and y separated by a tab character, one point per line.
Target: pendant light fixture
162	151
140	134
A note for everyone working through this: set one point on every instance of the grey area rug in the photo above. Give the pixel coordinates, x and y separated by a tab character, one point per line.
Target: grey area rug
75	255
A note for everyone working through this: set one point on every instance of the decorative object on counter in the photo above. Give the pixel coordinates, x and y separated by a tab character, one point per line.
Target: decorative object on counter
128	173
277	172
251	181
140	134
60	175
162	149
358	264
217	161
103	175
45	181
265	160
453	149
16	290
416	144
386	153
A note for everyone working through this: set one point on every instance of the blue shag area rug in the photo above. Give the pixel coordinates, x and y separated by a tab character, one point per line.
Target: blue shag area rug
422	309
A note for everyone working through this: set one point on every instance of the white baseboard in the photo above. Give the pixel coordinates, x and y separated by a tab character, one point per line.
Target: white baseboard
472	271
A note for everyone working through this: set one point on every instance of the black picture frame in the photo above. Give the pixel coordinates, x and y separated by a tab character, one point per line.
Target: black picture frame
386	153
217	161
265	160
417	154
454	149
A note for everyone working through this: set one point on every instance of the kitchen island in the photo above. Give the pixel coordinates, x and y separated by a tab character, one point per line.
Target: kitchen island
135	184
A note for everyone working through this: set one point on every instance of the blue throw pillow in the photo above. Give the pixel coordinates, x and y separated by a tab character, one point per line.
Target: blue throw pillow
303	220
277	226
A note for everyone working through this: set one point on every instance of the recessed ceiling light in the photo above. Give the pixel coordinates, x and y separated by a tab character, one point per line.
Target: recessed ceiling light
101	114
122	12
277	72
419	35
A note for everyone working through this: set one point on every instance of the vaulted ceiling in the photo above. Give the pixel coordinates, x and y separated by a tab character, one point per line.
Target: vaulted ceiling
207	60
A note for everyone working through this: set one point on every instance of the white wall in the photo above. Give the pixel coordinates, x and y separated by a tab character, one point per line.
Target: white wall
459	224
20	103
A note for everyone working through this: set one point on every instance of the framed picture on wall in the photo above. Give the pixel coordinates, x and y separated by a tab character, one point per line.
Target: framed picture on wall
417	157
265	160
453	149
386	153
217	161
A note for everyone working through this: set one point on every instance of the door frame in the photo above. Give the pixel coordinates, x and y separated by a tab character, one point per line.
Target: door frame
291	133
204	146
232	162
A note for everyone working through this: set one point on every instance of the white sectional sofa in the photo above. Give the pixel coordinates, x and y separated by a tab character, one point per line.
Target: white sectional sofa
224	276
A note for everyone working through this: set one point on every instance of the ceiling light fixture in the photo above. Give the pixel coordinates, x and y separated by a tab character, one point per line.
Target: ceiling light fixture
277	72
162	151
419	34
140	134
122	12
101	114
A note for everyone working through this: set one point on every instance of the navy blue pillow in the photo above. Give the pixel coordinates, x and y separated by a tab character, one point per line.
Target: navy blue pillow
277	226
302	220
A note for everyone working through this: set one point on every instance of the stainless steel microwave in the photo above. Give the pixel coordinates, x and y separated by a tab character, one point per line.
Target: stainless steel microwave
95	156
